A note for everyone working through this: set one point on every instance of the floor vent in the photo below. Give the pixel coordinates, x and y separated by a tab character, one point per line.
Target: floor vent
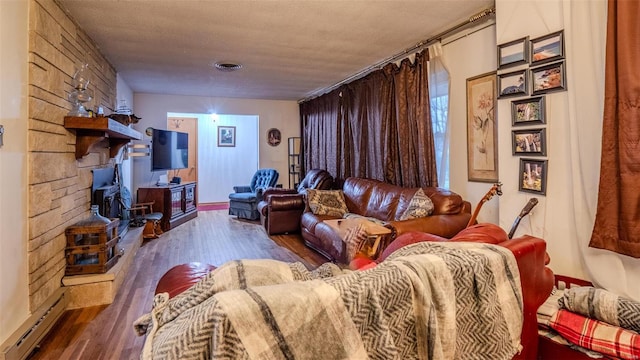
22	342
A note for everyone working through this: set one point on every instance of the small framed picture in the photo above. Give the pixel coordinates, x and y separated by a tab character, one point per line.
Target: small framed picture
528	111
227	136
532	142
548	78
512	84
547	48
274	137
533	176
513	53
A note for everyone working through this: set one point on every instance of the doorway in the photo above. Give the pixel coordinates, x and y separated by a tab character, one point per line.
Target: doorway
187	125
219	162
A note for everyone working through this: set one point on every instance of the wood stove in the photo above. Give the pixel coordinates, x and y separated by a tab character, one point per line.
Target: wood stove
105	192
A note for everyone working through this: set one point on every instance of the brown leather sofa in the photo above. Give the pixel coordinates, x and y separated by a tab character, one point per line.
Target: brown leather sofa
536	278
383	201
281	209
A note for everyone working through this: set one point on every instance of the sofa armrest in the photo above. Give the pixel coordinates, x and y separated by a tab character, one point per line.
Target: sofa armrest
277	192
442	225
532	260
537	283
242	188
286	202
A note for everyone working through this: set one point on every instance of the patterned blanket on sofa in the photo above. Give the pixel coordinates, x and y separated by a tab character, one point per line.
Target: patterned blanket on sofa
426	301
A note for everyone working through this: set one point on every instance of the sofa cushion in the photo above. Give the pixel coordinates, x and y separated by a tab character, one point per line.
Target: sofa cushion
420	206
327	202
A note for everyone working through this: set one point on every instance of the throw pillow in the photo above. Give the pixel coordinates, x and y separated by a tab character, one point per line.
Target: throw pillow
327	202
420	206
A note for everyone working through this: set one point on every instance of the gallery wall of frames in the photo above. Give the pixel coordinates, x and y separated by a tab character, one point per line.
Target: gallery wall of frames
530	69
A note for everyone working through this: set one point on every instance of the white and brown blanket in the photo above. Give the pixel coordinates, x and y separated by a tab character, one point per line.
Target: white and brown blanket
426	301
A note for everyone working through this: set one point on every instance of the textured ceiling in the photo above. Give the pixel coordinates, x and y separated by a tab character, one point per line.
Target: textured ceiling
288	49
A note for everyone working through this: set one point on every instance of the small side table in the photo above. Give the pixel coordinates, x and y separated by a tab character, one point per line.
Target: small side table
375	233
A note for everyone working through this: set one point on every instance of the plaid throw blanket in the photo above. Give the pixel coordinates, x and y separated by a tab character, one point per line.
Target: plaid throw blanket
435	301
596	335
602	305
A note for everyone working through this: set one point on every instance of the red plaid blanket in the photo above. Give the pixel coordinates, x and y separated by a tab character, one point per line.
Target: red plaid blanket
596	335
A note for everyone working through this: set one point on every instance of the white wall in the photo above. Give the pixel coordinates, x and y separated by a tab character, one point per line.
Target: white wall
556	218
153	109
14	292
468	55
214	160
123	92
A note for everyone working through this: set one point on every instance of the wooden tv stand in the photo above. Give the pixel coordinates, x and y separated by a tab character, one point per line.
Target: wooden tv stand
177	202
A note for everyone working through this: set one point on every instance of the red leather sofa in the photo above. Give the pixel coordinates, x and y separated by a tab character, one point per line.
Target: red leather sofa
535	277
537	280
383	201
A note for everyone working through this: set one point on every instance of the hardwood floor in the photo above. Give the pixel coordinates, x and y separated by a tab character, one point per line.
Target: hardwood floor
214	237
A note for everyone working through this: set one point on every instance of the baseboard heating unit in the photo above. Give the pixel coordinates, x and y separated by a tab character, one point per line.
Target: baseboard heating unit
24	340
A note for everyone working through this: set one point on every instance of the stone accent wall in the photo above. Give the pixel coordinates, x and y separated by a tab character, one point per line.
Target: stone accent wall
59	185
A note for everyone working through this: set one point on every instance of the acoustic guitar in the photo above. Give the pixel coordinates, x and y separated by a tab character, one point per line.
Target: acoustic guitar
496	189
524	212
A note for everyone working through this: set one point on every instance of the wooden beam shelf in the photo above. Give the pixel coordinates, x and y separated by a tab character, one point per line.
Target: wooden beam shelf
92	130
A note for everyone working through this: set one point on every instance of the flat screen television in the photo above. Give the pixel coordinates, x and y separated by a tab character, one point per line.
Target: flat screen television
169	150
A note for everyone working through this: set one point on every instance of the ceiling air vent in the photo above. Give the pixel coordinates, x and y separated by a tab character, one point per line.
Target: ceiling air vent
227	66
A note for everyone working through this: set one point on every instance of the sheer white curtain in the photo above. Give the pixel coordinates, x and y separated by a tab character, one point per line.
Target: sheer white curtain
585	33
439	102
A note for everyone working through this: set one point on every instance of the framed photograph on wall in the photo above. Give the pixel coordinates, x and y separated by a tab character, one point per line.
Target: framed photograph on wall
548	78
531	142
528	111
513	84
533	176
274	137
547	48
513	53
482	131
227	136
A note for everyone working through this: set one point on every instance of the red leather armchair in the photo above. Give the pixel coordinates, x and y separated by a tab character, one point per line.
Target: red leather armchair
530	253
281	209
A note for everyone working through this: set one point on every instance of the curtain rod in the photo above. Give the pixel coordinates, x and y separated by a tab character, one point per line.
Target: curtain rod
482	15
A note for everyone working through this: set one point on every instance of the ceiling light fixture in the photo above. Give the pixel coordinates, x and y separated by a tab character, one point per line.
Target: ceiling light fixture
227	66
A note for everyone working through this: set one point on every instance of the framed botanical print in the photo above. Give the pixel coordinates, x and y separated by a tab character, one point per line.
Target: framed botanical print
482	132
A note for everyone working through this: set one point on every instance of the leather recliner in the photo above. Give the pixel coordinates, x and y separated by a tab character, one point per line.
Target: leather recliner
281	209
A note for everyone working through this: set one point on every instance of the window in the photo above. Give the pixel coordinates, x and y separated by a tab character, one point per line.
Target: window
439	102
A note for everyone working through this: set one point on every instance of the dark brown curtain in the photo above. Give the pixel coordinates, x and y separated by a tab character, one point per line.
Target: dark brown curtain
617	225
322	133
381	128
414	134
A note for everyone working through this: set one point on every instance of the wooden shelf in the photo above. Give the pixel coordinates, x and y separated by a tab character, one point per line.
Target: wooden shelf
92	130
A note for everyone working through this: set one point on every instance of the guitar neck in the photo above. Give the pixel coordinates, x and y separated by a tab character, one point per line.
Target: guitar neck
524	212
514	227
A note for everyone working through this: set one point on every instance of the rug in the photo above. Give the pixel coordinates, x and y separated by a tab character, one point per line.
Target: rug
213	206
